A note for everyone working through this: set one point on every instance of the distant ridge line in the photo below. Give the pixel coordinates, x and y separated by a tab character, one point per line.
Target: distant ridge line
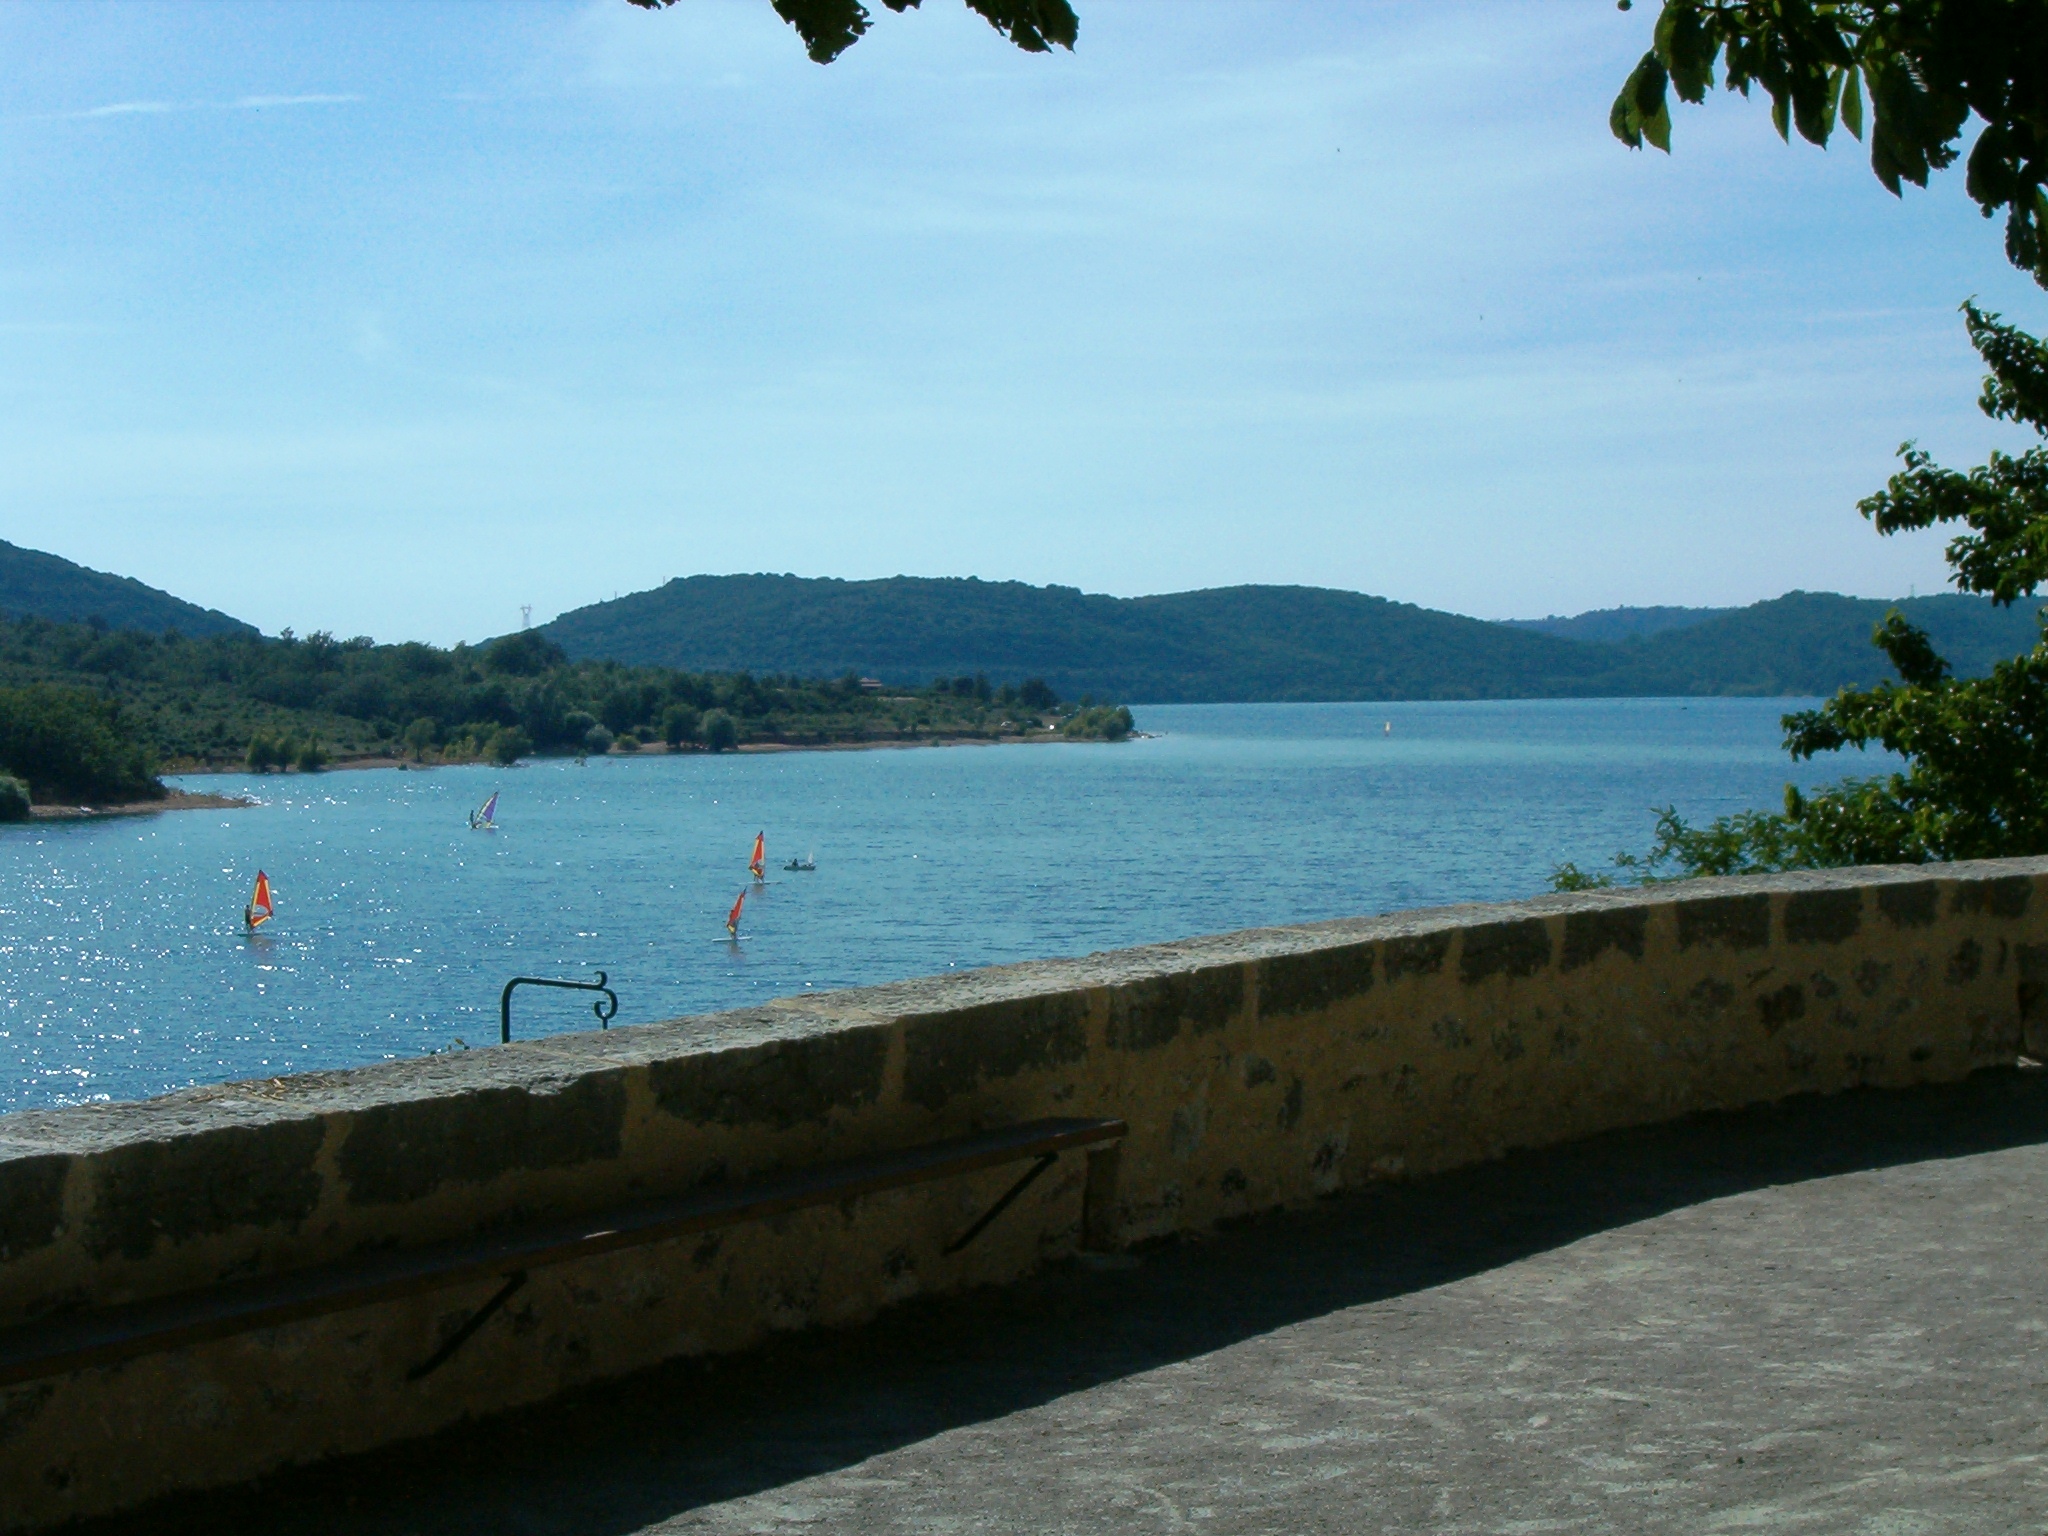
1263	643
1610	624
34	584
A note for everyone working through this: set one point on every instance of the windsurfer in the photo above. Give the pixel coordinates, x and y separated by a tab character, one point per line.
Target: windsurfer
258	910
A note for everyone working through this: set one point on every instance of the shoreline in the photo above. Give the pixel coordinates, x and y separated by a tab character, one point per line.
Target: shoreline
651	749
176	800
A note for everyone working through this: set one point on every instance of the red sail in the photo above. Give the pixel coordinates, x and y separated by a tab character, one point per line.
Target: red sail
759	862
732	918
259	904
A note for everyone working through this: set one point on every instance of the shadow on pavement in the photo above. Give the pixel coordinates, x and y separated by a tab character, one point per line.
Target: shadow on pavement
627	1454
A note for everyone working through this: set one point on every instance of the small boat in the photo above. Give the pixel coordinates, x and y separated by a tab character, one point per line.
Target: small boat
484	817
759	862
732	918
809	862
259	911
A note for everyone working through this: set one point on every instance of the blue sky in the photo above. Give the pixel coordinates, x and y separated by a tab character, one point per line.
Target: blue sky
388	319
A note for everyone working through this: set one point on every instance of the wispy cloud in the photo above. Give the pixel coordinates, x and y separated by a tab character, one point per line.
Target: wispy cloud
122	109
239	104
293	101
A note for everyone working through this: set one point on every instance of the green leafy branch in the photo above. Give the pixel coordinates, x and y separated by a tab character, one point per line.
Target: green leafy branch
830	27
1924	66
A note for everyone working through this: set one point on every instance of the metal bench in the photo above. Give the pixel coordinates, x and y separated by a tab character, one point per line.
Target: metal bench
111	1334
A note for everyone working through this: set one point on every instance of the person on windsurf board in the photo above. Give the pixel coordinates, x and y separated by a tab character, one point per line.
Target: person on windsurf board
485	817
759	862
732	918
259	910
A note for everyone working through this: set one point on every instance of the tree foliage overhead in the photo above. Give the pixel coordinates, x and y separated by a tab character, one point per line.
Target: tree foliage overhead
830	27
1924	67
1975	781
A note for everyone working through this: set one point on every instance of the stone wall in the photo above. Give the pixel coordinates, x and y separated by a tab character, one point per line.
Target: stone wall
1255	1069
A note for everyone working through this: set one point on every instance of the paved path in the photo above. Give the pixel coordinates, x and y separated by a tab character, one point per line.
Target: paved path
1827	1317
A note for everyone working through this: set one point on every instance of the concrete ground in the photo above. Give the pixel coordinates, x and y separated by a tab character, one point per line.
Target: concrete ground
1829	1316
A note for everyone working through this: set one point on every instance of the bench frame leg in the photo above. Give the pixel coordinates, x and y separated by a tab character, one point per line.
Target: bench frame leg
467	1331
1098	1201
1045	1161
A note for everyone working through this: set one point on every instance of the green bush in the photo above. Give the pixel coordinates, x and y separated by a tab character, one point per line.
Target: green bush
71	744
508	746
311	756
265	753
718	731
597	741
421	737
679	725
626	741
13	798
1103	722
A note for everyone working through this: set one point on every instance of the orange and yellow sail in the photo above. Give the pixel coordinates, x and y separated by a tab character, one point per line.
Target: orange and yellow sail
759	862
732	918
259	910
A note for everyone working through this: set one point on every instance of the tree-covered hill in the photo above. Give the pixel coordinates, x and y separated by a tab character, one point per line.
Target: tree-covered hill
1225	643
1261	643
1618	623
38	585
1811	643
1307	643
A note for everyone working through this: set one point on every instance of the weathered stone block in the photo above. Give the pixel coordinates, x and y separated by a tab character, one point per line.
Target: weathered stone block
209	1182
31	1202
403	1151
1312	982
1419	954
954	1053
1732	922
1150	1012
780	1084
1519	948
1909	904
1589	935
2004	896
1822	917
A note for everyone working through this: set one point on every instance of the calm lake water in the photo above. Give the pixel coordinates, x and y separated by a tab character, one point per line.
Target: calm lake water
127	974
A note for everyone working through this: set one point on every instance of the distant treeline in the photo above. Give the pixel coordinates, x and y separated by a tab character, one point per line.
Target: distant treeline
300	701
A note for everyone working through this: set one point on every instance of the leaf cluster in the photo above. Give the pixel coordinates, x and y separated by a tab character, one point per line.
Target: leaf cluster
2004	502
1924	67
830	27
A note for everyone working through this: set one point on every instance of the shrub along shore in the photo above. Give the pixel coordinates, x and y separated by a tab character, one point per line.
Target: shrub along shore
91	715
